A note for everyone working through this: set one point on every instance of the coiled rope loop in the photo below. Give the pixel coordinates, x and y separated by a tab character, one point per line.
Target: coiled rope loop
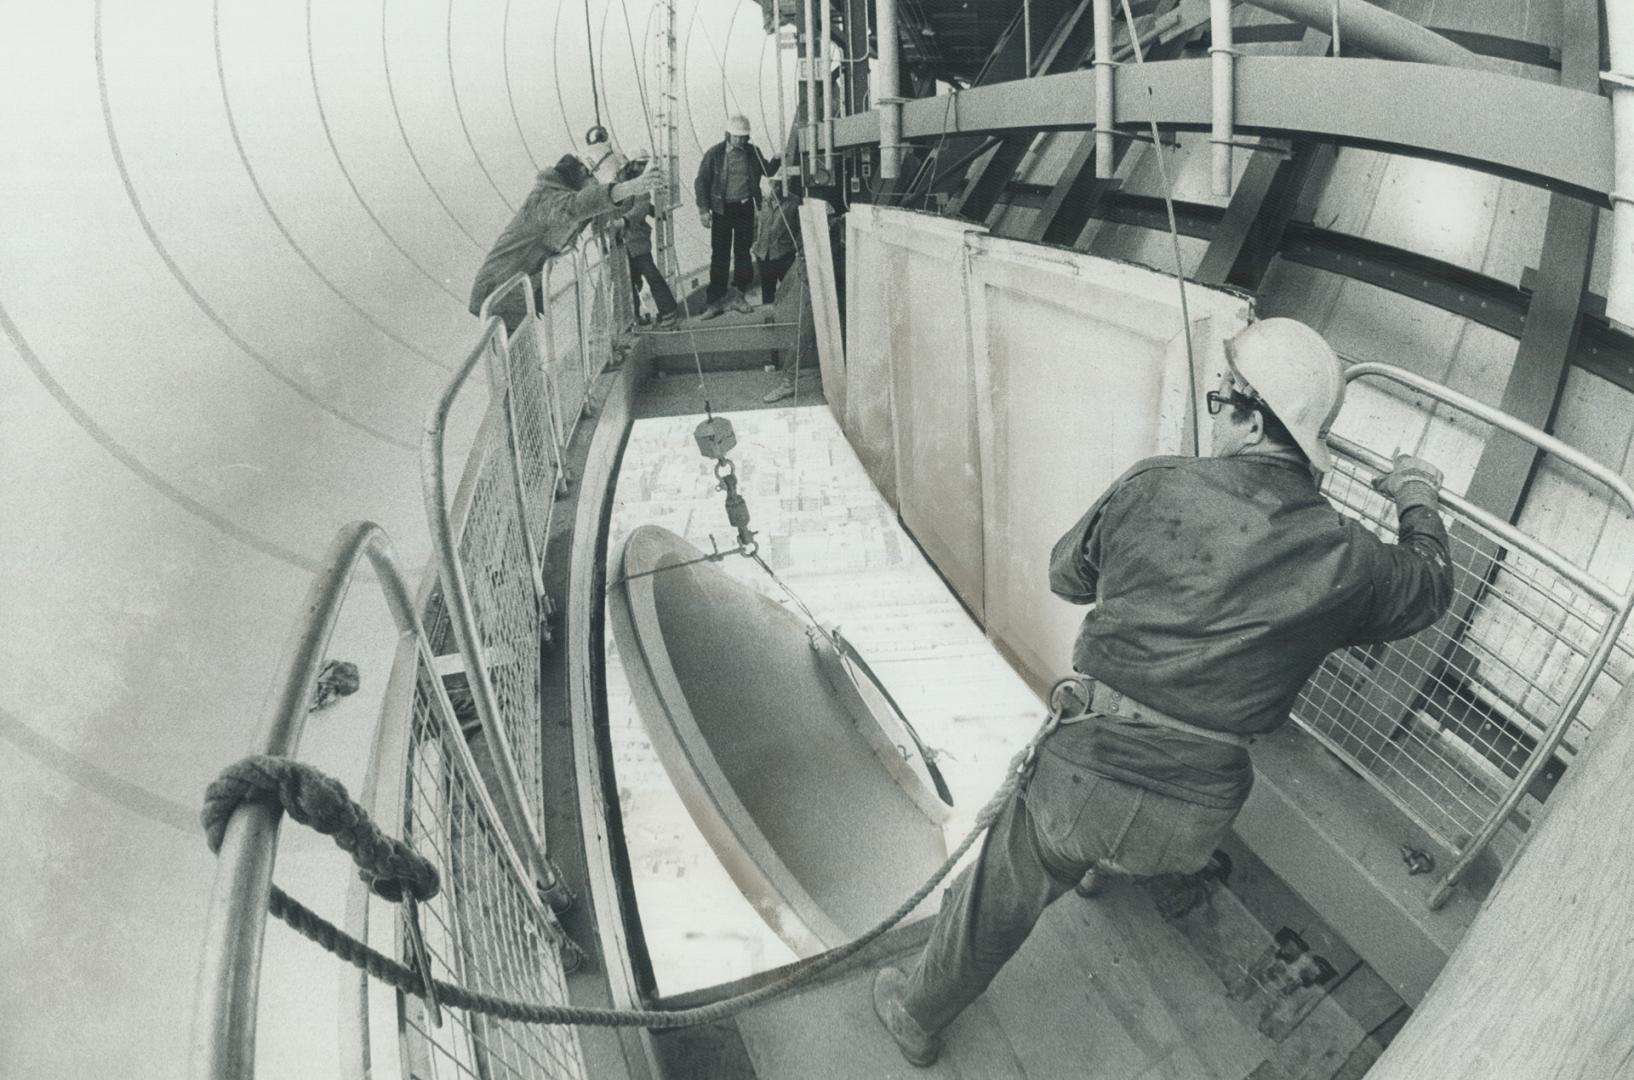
294	783
392	869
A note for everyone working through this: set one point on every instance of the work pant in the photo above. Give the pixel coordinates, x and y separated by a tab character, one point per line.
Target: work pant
772	272
730	236
643	268
1067	820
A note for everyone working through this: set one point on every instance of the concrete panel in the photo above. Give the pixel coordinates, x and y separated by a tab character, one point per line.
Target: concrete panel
1081	371
914	324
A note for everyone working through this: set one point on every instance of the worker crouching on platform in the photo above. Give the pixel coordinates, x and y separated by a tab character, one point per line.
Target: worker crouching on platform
727	191
1219	585
565	197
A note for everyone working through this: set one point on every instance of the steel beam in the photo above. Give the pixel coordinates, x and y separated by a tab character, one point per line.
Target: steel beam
1553	136
1068	44
1548	340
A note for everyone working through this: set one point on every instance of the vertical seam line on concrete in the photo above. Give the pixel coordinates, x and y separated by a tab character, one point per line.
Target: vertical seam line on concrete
130	461
408	144
186	283
266	204
510	93
328	134
459	110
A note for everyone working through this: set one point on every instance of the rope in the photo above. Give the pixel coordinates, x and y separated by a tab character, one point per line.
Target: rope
257	776
590	54
392	868
1174	240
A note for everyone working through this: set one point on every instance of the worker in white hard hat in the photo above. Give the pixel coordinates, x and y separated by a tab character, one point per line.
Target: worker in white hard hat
727	191
1219	584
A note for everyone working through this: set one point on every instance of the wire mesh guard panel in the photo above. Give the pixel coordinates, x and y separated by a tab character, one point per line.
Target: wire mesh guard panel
536	438
599	332
1444	721
565	358
484	930
495	560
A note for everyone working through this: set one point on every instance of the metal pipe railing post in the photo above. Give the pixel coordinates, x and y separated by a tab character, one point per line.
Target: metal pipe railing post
457	599
808	63
1221	58
1104	64
499	382
825	45
1619	82
888	91
223	1043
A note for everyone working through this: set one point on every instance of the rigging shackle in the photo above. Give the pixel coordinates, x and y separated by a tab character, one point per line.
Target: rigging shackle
716	439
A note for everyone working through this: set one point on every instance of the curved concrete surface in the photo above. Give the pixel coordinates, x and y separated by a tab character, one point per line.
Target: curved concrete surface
236	247
781	771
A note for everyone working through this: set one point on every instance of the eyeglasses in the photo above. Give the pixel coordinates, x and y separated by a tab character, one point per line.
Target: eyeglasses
1218	401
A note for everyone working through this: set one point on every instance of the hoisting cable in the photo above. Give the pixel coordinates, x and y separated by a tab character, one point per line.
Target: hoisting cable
1174	240
598	133
396	871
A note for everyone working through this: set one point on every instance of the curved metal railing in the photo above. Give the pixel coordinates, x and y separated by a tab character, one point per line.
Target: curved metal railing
456	775
225	1014
1458	723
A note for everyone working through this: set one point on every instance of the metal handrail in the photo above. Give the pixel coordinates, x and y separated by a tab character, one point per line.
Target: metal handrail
457	598
1620	604
223	1046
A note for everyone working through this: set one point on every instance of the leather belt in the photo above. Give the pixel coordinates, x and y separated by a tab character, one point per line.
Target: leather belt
1105	701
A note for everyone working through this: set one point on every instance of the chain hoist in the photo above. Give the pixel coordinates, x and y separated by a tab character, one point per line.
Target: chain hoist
715	440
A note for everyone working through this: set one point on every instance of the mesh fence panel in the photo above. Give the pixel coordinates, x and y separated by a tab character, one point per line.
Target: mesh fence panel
565	359
484	930
495	559
1444	721
535	427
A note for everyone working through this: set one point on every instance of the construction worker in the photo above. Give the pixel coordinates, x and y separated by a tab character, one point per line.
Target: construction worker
776	246
565	197
727	191
636	233
1219	585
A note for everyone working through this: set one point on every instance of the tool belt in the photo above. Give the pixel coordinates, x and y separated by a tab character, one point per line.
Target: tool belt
1105	701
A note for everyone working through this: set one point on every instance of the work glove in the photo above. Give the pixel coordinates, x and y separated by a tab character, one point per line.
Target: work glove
1411	482
704	218
651	181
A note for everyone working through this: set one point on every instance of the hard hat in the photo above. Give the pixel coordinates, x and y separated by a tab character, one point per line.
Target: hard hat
737	125
1291	368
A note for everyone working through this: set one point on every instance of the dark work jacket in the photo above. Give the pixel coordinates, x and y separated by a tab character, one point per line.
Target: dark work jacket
545	225
709	189
638	225
1219	586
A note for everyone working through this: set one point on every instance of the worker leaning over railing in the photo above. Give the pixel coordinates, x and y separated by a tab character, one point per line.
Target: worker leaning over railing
1219	585
565	197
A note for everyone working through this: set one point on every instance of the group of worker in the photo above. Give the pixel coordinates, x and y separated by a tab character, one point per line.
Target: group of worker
1218	584
751	235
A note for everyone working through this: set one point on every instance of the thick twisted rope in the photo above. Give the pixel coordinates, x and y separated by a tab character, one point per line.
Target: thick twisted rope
391	867
406	980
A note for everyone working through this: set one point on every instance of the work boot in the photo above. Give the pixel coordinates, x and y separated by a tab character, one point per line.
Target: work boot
741	303
784	389
669	320
918	1047
715	308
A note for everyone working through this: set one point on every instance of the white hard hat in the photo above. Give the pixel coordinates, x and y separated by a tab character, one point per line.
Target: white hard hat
1293	369
737	125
